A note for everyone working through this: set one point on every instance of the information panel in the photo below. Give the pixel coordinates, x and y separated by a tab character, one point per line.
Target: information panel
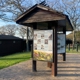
61	43
43	45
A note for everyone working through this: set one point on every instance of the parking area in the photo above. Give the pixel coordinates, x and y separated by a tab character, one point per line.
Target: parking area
67	70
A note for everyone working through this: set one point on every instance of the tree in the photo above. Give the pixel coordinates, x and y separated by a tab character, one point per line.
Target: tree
22	31
38	1
71	8
10	9
26	32
8	30
30	33
2	30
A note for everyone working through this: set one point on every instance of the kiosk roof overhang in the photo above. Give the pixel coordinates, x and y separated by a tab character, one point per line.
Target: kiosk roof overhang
40	13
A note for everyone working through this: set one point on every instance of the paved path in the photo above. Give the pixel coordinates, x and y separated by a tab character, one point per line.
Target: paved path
68	70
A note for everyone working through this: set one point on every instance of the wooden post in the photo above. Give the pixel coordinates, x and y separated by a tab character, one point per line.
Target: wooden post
27	40
69	47
49	64
77	47
34	66
33	61
54	64
64	54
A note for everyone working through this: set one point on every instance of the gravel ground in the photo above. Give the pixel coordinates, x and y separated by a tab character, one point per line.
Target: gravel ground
67	70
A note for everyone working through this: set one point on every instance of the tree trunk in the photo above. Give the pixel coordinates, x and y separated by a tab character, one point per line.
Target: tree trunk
27	42
74	39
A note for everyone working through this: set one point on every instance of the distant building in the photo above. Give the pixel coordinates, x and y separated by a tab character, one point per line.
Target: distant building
10	44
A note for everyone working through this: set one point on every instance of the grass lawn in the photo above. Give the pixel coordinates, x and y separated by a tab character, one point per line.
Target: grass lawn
72	51
10	60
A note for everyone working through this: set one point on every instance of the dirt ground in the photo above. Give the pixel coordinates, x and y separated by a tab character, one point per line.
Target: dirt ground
67	70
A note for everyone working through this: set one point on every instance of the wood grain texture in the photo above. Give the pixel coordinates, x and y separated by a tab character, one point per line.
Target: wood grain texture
42	15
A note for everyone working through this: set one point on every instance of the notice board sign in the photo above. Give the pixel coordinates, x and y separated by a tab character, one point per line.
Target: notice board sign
61	43
43	45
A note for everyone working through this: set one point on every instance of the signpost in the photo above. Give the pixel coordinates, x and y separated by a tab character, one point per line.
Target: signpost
61	43
43	45
47	43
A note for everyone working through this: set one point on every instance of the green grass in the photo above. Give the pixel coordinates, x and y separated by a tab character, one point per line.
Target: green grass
72	51
10	60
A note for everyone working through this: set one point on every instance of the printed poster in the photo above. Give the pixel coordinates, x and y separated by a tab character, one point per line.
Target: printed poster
61	43
43	45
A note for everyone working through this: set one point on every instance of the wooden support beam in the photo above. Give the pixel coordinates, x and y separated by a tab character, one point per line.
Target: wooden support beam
64	54
34	61
54	64
34	65
49	64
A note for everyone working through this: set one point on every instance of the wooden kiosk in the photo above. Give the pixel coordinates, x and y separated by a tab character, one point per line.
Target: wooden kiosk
49	23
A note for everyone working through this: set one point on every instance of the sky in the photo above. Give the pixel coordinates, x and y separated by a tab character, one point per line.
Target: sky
3	23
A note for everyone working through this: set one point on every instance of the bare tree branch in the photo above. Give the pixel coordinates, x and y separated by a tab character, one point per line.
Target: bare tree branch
8	29
14	7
